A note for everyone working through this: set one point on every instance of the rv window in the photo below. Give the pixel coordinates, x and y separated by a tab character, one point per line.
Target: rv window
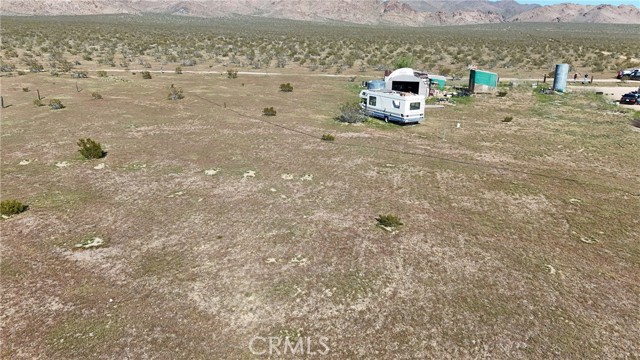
414	106
372	100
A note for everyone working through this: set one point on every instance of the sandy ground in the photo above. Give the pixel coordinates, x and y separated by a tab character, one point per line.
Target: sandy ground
612	92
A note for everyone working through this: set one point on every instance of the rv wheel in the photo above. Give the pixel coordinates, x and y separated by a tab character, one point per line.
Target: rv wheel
386	119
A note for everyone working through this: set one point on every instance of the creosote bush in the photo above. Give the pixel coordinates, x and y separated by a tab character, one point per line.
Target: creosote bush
38	102
232	74
96	96
507	119
270	111
502	93
102	73
90	149
404	62
175	93
286	87
146	75
390	221
25	89
11	207
328	137
56	104
178	70
351	113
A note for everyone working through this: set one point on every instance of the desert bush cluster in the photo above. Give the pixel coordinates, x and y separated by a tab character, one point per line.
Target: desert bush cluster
351	113
269	111
11	207
175	93
61	44
286	87
90	149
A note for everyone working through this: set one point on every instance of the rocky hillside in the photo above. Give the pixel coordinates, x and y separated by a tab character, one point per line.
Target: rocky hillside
581	14
506	8
396	12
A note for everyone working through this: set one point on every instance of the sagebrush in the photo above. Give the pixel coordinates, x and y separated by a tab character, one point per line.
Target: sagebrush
351	113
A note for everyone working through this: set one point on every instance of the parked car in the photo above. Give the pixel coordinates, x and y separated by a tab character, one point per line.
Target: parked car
632	98
626	74
635	75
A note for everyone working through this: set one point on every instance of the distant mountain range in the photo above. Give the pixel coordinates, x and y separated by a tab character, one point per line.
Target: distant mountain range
392	12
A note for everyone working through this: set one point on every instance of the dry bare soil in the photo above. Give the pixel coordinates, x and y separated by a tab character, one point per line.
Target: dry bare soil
520	239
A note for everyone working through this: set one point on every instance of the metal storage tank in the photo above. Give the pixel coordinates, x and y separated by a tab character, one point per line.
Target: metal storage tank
375	84
405	80
560	79
482	81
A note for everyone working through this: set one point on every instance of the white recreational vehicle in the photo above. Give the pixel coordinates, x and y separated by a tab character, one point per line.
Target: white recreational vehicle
393	106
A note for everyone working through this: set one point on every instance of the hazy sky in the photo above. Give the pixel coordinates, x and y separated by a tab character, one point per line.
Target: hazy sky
582	2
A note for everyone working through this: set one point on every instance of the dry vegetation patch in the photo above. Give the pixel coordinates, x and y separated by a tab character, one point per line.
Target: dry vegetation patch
223	224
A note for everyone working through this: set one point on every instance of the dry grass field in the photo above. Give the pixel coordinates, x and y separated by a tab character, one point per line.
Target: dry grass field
222	226
520	239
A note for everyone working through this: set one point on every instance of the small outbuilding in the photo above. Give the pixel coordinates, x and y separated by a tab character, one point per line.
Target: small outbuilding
407	80
482	81
437	81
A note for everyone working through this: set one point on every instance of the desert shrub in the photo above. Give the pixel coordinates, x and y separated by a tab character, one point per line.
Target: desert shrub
189	62
38	102
96	96
90	149
502	93
175	93
9	53
86	57
11	207
64	66
146	75
232	74
403	62
390	221
79	75
20	72
34	65
351	113
507	119
328	137
56	104
178	70
7	67
25	89
270	111
286	87
102	73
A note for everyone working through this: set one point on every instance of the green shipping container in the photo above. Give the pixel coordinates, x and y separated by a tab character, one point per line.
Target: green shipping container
482	81
438	79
